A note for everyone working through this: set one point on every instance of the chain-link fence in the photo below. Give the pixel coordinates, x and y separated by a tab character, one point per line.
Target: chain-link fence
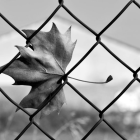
65	77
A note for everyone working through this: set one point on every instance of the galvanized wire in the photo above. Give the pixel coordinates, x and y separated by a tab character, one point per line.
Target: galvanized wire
66	76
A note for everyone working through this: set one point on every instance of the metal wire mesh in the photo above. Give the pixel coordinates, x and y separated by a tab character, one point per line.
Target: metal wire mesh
64	78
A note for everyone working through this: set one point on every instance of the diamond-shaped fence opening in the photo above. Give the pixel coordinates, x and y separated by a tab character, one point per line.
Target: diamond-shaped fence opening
64	78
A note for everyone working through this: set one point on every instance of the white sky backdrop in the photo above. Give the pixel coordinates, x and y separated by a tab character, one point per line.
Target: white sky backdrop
98	65
96	14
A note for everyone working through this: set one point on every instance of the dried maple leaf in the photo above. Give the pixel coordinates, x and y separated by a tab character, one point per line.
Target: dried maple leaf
43	67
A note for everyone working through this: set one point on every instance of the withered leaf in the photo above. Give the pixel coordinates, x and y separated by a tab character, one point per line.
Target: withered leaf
42	67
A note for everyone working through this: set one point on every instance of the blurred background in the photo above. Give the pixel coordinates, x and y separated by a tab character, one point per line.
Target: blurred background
77	117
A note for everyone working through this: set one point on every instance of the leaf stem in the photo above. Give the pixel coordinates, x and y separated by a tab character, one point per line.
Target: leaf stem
107	80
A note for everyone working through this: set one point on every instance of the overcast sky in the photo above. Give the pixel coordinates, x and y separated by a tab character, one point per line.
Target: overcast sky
95	13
